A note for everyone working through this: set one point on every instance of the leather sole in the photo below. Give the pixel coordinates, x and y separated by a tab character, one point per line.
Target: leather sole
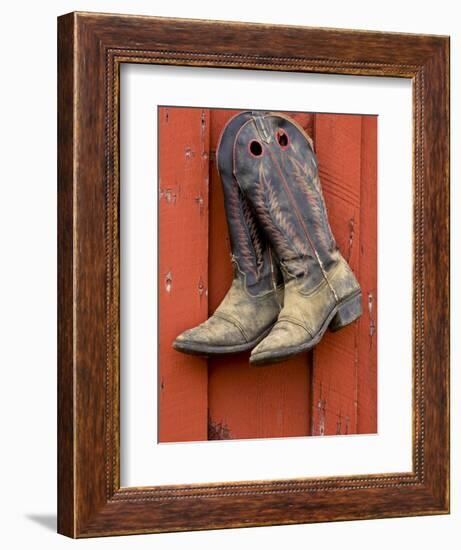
206	350
340	316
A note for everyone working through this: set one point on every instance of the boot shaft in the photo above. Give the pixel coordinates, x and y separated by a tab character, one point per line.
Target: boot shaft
276	168
251	254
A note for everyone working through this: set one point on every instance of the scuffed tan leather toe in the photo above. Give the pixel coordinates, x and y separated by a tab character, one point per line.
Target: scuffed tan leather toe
213	336
274	347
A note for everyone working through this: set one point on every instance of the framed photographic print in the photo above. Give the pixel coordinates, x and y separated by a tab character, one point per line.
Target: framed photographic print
289	399
253	275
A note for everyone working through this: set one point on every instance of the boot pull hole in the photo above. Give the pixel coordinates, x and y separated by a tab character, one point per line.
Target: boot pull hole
282	138
256	148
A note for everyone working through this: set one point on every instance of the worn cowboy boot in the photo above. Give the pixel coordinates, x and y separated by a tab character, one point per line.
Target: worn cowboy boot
252	304
276	169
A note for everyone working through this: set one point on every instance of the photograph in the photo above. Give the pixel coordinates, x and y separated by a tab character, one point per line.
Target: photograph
267	271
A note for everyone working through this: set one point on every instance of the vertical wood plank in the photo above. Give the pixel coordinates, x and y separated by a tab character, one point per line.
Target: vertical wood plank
368	323
336	358
183	269
248	402
305	120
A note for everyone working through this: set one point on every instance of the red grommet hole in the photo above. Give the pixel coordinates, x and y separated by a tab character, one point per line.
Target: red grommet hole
282	138
256	148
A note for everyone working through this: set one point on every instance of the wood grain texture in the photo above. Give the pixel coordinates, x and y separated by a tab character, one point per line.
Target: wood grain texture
433	267
367	341
338	141
183	269
66	294
91	501
345	364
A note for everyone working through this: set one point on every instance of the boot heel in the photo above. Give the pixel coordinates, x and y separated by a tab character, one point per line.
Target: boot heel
347	313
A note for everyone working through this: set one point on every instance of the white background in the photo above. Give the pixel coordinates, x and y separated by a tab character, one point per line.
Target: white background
145	463
28	273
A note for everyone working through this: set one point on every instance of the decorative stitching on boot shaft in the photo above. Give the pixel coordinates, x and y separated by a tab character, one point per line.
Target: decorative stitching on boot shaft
254	232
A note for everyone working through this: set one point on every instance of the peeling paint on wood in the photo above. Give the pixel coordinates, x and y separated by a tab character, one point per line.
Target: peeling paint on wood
169	195
218	430
371	322
189	153
199	200
321	408
168	281
351	237
201	288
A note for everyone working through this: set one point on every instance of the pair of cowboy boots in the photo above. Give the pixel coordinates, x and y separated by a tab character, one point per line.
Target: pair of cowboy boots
290	281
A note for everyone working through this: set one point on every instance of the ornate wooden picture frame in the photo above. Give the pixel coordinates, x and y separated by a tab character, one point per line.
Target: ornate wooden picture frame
91	501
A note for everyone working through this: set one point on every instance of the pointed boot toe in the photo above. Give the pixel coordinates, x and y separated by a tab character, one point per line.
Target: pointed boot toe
285	340
214	336
239	323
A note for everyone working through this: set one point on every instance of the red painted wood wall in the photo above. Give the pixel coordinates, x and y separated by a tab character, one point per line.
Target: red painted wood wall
331	390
